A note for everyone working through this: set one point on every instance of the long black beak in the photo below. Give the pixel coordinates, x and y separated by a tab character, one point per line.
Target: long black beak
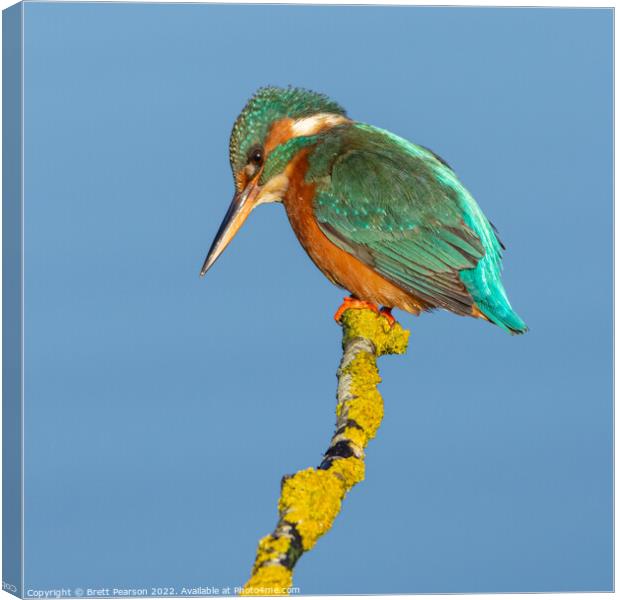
238	211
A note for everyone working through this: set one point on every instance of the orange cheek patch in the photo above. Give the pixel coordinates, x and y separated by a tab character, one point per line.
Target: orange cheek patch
241	180
280	132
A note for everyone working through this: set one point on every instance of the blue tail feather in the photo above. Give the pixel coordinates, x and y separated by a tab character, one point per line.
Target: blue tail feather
505	317
487	290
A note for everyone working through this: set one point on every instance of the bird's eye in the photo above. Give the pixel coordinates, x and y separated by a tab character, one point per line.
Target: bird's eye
255	156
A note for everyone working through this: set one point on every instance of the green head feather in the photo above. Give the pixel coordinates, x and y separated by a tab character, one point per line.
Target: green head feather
268	105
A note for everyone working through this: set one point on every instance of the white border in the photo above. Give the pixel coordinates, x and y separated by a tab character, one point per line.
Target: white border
482	3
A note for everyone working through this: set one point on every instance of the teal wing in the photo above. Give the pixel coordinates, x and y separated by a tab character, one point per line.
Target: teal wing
400	209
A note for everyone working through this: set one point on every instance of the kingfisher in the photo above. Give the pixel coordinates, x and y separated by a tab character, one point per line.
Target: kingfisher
384	218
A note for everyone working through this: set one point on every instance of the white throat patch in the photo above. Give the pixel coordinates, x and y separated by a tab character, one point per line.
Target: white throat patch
274	190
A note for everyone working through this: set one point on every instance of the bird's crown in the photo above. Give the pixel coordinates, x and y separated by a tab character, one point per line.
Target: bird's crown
268	105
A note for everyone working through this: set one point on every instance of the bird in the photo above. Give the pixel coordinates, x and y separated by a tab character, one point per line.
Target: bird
384	218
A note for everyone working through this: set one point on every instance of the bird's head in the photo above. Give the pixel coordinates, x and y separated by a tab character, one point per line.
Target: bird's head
274	126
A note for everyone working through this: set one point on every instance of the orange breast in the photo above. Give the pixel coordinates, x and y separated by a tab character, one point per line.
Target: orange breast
339	266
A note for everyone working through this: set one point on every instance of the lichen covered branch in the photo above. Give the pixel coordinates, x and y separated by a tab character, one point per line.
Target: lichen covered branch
310	500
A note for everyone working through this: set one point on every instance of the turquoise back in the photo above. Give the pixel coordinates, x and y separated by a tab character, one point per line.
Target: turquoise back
401	210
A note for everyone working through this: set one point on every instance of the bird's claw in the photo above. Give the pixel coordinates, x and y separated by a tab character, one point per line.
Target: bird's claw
350	302
387	313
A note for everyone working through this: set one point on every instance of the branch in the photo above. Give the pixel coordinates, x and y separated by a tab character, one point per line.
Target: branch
310	500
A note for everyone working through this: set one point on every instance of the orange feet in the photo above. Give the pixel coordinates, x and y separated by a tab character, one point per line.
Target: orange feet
387	313
350	302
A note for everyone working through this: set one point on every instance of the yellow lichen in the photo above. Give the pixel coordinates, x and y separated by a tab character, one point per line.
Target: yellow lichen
269	580
363	371
271	548
365	323
311	500
367	412
339	407
351	470
357	436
